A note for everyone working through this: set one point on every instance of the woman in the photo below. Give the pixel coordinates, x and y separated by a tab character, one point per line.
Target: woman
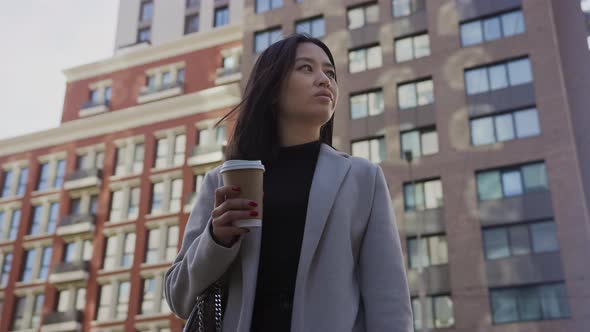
328	255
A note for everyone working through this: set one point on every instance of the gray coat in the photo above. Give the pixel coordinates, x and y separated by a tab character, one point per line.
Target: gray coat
351	274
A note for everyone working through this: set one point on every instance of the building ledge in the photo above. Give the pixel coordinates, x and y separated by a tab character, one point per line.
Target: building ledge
146	97
63	277
227	78
93	110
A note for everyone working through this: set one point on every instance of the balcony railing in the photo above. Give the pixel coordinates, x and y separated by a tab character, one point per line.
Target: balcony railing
148	90
152	93
83	178
226	75
56	321
76	224
74	219
84	173
64	267
70	271
56	317
204	154
92	107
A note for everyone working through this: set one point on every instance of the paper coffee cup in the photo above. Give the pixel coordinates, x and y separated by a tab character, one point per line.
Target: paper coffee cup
248	175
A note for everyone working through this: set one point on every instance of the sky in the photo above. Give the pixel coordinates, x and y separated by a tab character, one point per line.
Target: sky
41	38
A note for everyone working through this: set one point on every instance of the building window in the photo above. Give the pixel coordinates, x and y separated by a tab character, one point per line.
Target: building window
60	173
421	142
193	3
74	295
492	28
364	59
526	303
51	173
315	27
162	244
166	196
43	176
14	224
157	196
263	39
161	153
406	7
523	239
124	209
22	181
90	160
191	24
18	318
371	149
5	269
144	35
498	76
505	127
170	151
146	11
153	300
179	149
414	47
129	159
41	225
513	181
423	195
266	5
36	219
221	16
429	250
119	251
27	274
45	263
198	182
149	296
7	183
410	95
438	312
362	15
114	301
366	104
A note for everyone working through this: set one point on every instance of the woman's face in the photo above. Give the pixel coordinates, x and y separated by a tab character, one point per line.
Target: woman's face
312	74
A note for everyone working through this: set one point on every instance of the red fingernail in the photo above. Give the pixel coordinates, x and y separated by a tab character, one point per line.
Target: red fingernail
253	213
252	203
235	188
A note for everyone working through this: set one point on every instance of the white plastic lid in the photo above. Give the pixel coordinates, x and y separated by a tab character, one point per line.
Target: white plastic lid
231	165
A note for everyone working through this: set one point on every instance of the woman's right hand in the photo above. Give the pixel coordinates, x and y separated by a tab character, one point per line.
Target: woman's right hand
228	209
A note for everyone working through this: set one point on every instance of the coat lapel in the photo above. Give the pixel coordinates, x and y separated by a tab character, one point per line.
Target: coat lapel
330	171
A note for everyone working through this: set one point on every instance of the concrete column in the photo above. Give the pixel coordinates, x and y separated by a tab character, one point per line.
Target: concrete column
166	194
52	173
15	178
114	296
170	143
129	156
79	249
158	292
119	252
44	216
91	161
37	264
125	203
29	306
162	249
206	15
85	203
71	297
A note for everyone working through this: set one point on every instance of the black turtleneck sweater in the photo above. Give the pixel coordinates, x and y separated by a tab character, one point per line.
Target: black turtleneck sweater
287	183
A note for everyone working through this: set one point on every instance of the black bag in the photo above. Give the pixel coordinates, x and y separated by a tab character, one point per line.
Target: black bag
208	312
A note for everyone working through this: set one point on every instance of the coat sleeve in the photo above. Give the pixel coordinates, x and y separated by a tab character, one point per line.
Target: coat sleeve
383	281
201	261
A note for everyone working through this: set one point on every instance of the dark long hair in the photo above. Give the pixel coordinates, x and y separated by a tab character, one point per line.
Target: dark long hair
256	131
